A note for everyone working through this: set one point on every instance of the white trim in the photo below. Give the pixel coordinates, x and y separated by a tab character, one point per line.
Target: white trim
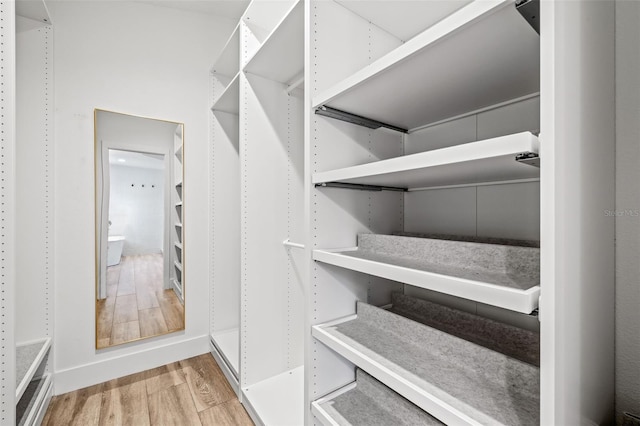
81	376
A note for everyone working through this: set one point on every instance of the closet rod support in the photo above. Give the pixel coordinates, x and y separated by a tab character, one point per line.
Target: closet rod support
359	187
297	82
355	119
288	243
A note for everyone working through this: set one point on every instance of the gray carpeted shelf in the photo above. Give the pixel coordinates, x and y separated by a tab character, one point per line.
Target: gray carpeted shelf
31	401
451	378
370	403
29	359
507	276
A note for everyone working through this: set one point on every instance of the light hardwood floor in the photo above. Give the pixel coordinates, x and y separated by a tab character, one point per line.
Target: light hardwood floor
136	305
190	392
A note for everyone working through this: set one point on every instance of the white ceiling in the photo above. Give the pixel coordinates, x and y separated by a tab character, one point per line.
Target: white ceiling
232	9
136	159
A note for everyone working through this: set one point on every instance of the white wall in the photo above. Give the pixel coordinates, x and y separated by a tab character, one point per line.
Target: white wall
628	204
137	212
140	59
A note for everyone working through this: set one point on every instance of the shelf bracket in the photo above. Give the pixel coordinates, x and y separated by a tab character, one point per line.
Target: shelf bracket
530	11
359	187
355	119
530	158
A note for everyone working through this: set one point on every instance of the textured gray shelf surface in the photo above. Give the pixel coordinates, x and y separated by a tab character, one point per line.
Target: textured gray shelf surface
483	384
503	265
504	338
25	356
26	404
371	403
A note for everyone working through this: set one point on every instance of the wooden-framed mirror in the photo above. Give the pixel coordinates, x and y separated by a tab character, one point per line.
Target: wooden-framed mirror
139	209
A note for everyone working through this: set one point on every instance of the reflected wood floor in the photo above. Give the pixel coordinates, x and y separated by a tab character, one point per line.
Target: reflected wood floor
189	392
137	306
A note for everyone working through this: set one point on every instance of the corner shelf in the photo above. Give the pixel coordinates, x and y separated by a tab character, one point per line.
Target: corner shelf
435	75
228	63
281	56
456	381
29	357
503	276
490	160
229	100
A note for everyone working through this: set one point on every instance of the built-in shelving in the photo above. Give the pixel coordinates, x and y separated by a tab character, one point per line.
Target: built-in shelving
454	380
229	99
504	276
179	204
352	405
31	408
178	225
29	358
278	400
178	244
489	160
281	56
228	63
483	54
228	344
178	266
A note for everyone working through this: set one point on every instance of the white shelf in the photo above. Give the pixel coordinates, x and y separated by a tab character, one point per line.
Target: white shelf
228	63
489	160
505	291
456	381
178	265
229	100
368	402
228	344
29	357
177	244
278	400
481	55
178	225
281	56
36	10
39	393
178	153
179	204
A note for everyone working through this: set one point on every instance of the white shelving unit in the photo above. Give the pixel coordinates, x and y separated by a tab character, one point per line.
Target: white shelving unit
30	358
177	214
478	162
281	56
27	249
427	121
497	288
272	204
228	100
476	38
224	274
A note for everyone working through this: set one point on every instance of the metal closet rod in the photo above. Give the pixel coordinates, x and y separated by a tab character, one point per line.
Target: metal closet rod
288	243
355	119
359	187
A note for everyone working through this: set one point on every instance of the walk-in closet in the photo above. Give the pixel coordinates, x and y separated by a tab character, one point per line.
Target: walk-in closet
370	212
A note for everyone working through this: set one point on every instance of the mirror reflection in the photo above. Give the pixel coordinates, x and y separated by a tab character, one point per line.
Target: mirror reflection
139	244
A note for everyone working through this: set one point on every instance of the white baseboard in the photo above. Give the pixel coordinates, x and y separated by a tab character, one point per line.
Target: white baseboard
122	365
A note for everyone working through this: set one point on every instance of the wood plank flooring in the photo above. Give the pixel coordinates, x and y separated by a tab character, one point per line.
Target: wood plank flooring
137	306
189	392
